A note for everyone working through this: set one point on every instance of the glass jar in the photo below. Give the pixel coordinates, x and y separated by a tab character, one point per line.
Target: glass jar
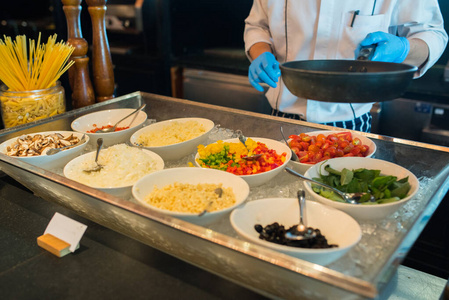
27	106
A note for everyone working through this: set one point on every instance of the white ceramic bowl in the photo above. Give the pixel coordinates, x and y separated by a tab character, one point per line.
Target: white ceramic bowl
57	160
262	178
123	191
364	212
178	150
86	123
303	167
338	227
191	175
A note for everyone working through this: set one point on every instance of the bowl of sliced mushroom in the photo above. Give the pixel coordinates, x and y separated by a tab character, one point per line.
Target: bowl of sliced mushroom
38	148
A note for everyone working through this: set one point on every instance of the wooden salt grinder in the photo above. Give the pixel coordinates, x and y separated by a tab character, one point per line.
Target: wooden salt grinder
101	56
82	89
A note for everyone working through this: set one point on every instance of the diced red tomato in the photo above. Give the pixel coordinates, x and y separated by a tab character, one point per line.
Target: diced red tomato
312	149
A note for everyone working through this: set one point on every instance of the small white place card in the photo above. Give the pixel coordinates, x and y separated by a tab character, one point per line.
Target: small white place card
66	229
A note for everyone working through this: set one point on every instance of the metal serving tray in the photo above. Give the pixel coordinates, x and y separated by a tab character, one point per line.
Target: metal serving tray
361	274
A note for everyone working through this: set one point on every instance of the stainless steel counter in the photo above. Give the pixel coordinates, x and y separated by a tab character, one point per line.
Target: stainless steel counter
109	265
363	273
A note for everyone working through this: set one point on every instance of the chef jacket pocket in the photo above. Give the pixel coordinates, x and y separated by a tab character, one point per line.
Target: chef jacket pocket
354	32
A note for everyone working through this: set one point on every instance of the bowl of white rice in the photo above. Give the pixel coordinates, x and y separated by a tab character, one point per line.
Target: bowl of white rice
175	138
186	192
123	166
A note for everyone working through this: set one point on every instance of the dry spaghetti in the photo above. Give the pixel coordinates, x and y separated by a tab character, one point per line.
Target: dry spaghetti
30	74
35	67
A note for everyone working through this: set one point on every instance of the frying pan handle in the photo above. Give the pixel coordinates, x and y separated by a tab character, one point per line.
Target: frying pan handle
366	52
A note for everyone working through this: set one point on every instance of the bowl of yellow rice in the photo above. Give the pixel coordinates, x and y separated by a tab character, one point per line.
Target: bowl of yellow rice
175	138
186	192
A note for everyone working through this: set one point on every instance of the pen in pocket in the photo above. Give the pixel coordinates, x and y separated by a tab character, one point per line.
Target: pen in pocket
354	15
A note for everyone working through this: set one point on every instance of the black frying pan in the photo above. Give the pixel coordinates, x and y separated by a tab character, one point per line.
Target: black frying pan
356	81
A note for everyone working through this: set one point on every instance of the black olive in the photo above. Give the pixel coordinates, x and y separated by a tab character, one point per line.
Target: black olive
275	233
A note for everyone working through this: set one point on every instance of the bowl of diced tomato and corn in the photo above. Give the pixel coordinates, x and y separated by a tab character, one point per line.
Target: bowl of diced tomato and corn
316	146
228	155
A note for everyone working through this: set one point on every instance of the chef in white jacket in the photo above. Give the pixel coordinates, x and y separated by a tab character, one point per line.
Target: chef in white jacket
277	31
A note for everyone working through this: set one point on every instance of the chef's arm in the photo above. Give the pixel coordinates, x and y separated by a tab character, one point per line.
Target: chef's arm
418	54
259	48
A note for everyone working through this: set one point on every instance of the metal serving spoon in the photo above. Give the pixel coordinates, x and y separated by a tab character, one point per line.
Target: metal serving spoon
217	191
352	198
242	139
53	151
112	129
294	156
98	167
300	232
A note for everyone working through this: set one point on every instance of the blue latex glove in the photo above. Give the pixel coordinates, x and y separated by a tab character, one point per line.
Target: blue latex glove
389	48
265	68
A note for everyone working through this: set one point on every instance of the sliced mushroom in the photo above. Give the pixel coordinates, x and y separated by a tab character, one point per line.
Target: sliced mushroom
65	143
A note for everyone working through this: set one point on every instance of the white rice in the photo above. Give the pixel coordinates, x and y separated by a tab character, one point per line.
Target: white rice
123	166
173	133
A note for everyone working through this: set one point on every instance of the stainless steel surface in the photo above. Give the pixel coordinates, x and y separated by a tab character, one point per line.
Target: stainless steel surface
126	18
346	80
228	90
424	121
362	273
411	284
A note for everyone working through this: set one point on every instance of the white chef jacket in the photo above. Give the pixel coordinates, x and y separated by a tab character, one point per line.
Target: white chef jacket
321	29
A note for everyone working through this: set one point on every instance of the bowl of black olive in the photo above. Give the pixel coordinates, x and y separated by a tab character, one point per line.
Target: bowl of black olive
331	232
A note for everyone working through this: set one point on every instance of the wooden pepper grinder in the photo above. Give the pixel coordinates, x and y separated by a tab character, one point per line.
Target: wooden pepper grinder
82	89
101	56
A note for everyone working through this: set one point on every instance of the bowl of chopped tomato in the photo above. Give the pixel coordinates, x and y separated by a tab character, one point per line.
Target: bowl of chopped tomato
316	146
91	123
229	155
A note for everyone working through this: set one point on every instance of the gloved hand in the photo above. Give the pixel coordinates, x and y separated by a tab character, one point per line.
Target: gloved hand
265	68
389	48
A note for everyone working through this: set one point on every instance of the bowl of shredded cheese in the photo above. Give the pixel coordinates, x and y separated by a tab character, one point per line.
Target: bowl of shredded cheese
123	166
186	192
175	138
91	123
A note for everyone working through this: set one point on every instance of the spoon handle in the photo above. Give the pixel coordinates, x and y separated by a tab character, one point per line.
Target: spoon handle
134	112
302	203
343	195
241	137
99	146
294	156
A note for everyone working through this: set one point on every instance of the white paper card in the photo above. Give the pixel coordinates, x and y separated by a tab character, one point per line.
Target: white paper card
66	229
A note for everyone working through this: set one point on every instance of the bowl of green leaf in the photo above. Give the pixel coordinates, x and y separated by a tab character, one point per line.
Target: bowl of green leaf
389	184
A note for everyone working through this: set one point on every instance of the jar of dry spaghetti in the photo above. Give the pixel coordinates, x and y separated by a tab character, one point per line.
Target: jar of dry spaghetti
20	107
